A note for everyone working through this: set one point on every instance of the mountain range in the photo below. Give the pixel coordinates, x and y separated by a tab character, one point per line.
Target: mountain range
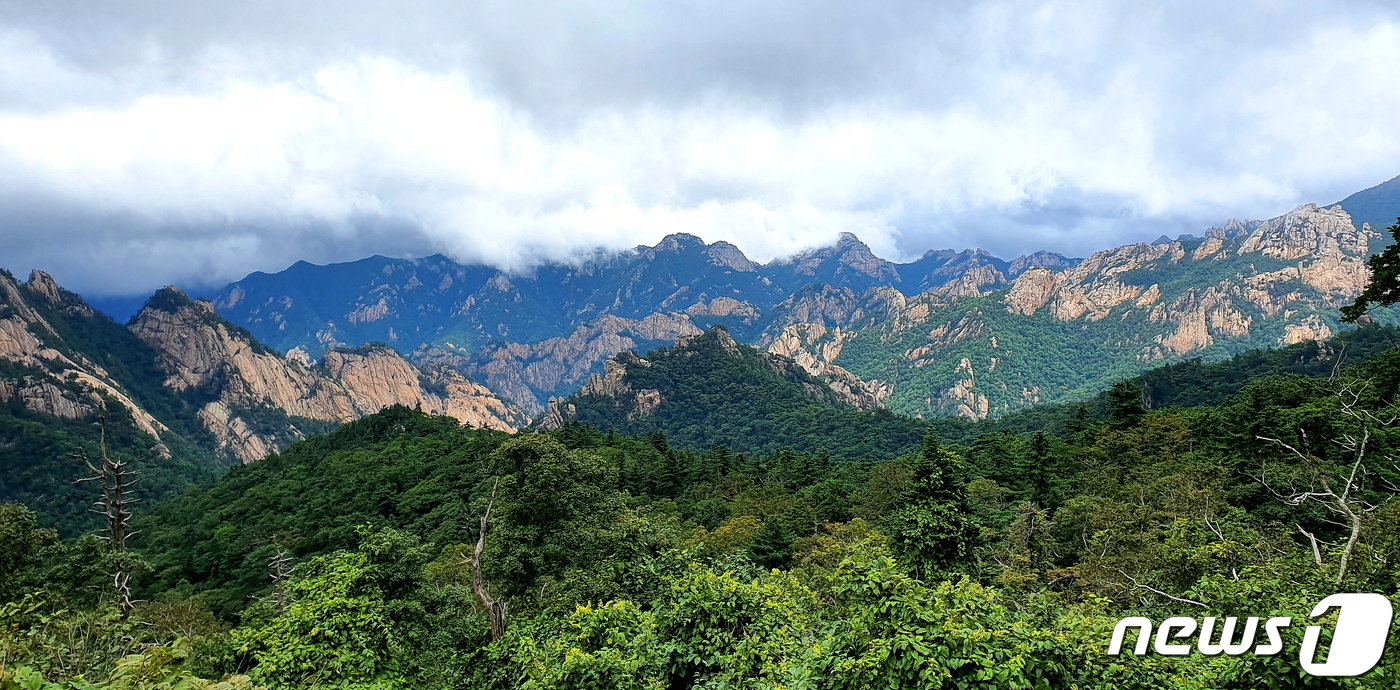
180	393
833	336
951	333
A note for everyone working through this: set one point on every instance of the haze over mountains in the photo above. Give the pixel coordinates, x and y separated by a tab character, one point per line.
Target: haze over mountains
189	386
953	332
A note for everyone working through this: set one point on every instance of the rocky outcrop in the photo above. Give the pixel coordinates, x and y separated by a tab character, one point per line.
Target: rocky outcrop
814	348
1323	252
63	382
1040	259
205	357
1309	329
838	264
526	373
963	399
975	283
724	307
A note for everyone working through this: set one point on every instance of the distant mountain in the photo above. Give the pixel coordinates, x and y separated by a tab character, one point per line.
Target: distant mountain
1379	205
184	393
709	390
978	351
256	401
951	333
533	336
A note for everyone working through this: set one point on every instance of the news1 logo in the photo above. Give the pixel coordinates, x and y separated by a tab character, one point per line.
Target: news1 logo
1363	625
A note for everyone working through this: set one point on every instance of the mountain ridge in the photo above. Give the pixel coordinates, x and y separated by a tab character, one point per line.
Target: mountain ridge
181	392
540	334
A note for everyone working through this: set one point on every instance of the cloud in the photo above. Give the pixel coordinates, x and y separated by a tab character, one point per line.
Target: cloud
146	143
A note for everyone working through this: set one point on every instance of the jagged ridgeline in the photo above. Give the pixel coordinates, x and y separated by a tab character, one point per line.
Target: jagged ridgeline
709	390
949	334
184	394
62	367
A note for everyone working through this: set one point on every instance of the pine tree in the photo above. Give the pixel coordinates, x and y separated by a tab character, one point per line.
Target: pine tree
771	547
1384	287
931	528
1125	406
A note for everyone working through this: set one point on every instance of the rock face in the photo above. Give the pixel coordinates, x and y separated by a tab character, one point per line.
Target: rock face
962	348
813	347
50	376
1316	257
535	336
205	357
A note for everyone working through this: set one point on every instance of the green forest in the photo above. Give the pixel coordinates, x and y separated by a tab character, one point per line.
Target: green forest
711	549
613	561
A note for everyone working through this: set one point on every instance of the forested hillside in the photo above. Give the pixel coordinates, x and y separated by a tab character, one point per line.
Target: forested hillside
710	390
352	560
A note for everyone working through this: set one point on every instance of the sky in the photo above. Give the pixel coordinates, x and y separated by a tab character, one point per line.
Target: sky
151	143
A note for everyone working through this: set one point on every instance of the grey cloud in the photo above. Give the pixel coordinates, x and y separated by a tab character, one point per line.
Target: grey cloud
151	142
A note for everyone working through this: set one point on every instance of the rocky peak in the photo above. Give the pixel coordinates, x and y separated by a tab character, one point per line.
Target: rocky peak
1040	259
43	285
856	255
66	383
678	242
718	335
976	282
725	254
848	256
201	353
1308	232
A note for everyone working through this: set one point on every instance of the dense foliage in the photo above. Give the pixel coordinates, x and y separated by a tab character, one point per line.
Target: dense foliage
716	392
37	451
1001	561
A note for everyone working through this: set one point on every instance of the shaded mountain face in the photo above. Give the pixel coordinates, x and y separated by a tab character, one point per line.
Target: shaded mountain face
1379	205
709	390
255	401
1035	328
533	336
182	392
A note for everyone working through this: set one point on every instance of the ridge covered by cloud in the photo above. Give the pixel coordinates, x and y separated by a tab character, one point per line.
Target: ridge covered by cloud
144	143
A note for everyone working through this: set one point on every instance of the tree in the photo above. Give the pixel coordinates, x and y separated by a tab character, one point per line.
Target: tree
115	480
337	630
1384	288
931	528
495	608
1125	403
772	545
1340	473
22	542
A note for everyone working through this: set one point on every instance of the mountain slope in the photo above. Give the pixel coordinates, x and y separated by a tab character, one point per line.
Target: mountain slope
183	394
710	390
1063	335
63	367
960	333
255	401
1379	205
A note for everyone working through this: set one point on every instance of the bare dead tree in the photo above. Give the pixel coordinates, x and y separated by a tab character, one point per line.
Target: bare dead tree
279	567
121	584
1340	488
115	480
495	608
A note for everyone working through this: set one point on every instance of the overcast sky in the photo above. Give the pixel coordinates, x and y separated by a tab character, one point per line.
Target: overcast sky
145	143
